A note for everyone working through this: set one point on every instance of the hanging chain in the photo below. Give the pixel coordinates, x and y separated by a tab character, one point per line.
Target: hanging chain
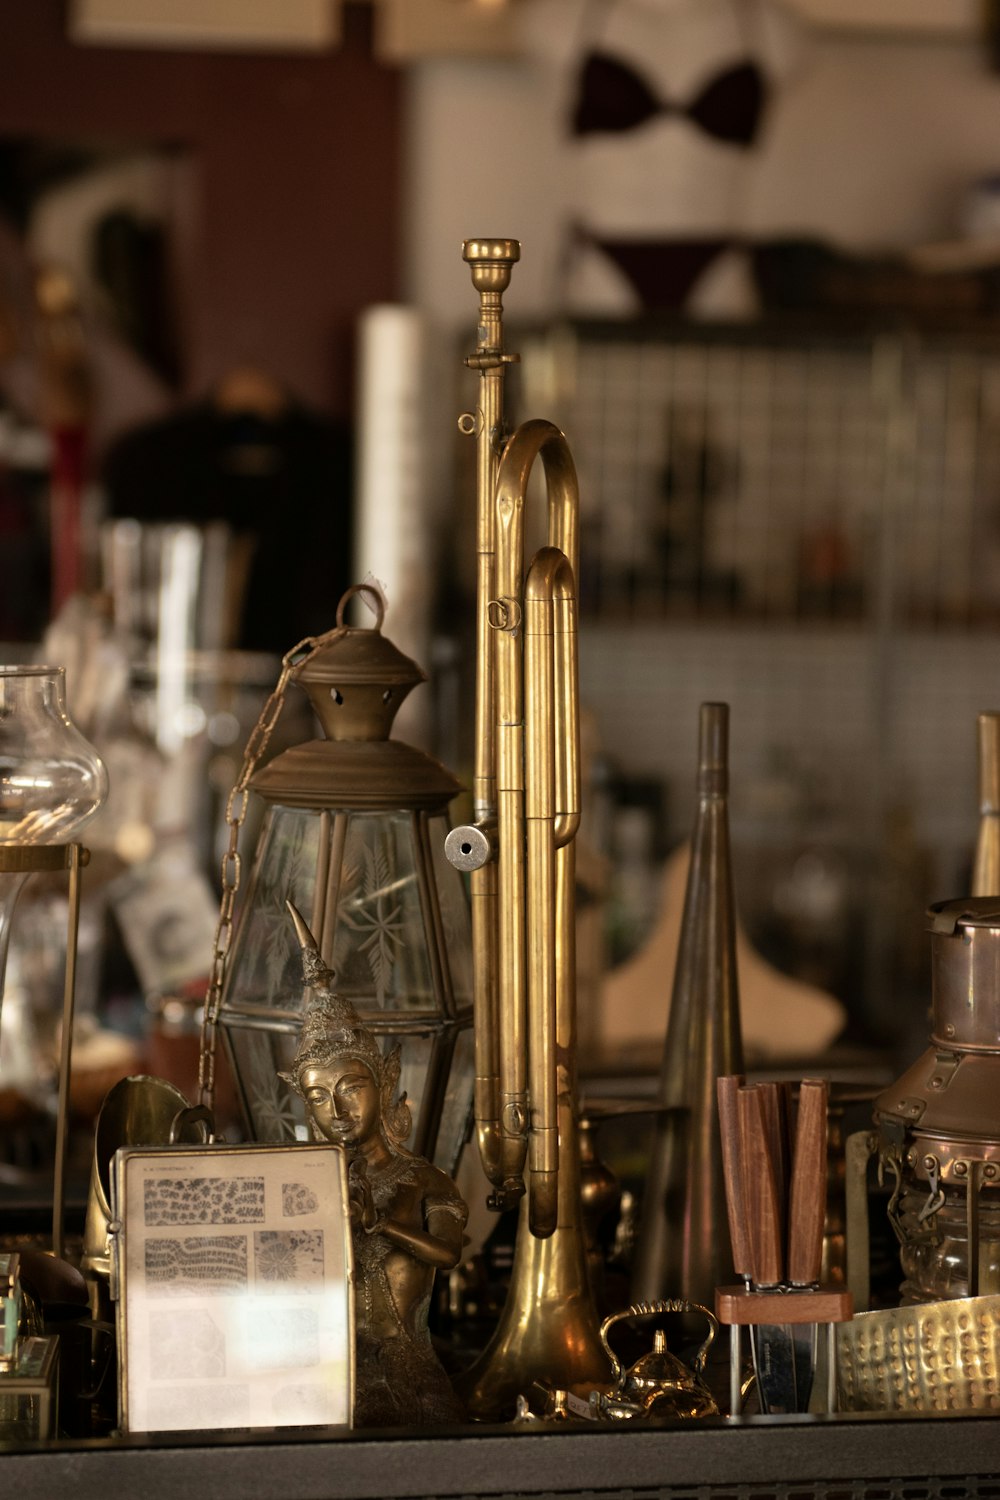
236	811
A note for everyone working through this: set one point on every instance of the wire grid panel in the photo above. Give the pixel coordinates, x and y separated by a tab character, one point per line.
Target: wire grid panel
757	483
734	477
948	515
746	474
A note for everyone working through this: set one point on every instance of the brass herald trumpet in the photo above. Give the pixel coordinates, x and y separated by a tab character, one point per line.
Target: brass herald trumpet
521	858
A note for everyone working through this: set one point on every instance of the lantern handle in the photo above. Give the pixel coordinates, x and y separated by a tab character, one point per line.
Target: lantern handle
362	588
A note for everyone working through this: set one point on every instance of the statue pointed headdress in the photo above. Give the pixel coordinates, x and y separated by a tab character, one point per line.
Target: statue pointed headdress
332	1029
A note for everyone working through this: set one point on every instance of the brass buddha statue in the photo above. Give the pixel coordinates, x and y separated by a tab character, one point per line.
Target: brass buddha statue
407	1216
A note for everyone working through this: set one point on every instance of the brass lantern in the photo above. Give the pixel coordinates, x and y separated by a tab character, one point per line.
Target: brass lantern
353	835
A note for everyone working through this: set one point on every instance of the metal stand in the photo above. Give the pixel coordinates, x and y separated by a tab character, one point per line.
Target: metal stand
23	859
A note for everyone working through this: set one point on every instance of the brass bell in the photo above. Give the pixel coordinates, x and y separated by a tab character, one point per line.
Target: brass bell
658	1387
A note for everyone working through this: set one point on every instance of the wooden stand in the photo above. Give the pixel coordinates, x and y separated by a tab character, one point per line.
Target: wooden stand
738	1307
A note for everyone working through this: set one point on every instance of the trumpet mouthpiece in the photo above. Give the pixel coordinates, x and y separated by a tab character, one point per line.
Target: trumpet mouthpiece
491	262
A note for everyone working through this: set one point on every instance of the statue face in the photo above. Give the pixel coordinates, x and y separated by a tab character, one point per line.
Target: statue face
343	1101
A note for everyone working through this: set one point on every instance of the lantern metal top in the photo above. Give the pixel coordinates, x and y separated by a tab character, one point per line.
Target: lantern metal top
373	775
357	681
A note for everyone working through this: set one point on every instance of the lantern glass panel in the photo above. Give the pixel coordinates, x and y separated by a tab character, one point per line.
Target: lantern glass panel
362	879
265	968
380	941
276	1113
367	864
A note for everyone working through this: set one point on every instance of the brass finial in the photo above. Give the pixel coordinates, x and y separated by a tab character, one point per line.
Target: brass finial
491	262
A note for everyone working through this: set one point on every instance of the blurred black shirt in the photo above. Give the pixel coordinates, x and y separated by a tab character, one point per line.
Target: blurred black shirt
284	481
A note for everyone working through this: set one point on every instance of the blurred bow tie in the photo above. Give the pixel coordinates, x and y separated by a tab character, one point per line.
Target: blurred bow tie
614	98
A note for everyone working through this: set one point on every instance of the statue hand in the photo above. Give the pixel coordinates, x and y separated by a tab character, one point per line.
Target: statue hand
363	1210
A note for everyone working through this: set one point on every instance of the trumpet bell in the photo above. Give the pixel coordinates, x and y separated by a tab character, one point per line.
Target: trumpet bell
548	1330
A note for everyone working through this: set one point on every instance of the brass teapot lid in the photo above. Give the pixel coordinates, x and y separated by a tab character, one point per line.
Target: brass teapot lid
658	1370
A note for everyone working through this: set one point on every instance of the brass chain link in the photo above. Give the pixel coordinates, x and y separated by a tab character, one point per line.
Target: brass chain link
236	811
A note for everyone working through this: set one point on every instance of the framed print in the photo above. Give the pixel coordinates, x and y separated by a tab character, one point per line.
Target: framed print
232	1270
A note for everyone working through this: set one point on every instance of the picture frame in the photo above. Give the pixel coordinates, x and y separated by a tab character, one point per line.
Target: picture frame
232	1271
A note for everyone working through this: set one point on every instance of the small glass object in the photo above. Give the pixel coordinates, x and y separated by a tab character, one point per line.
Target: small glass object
11	1302
52	780
28	1391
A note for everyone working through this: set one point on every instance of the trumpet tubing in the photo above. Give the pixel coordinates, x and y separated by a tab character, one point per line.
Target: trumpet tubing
521	858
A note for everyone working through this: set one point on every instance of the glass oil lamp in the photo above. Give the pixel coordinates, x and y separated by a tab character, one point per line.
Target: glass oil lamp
353	835
52	781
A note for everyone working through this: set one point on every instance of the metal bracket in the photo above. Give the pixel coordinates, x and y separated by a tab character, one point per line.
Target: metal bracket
935	1195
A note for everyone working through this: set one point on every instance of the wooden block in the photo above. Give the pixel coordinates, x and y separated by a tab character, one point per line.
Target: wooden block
824	1304
761	1198
807	1202
729	1128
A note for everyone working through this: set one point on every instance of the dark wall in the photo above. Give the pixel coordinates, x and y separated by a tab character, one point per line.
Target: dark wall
297	162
